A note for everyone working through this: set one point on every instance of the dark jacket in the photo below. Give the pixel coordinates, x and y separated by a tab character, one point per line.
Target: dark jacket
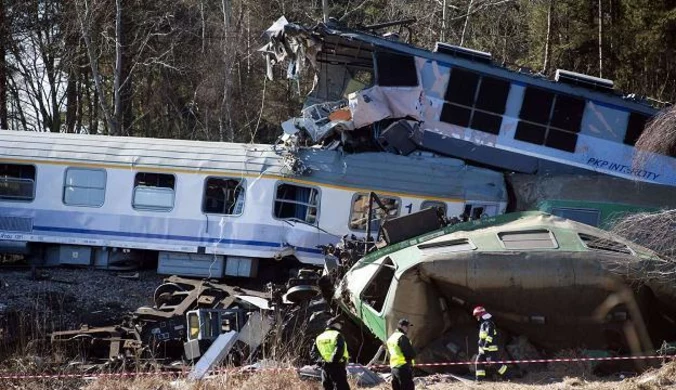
487	327
340	350
406	348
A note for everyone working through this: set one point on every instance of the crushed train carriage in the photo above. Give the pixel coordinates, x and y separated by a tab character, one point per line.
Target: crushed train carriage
552	283
459	102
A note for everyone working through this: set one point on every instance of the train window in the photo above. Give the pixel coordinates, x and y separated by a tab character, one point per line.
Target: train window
376	291
359	79
296	203
550	120
428	204
531	133
153	191
474	100
17	182
536	106
396	70
360	211
487	123
493	95
223	196
587	216
455	115
462	87
84	187
568	113
528	239
561	140
635	128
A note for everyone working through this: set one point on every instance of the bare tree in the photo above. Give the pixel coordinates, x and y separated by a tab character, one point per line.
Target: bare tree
35	51
85	14
464	28
545	64
4	34
600	38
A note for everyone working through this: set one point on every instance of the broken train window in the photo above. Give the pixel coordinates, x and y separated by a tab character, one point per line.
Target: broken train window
475	101
359	79
395	70
360	211
549	119
153	191
223	196
428	204
17	182
375	292
296	202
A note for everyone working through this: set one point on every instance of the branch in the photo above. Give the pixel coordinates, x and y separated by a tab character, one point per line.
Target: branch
481	7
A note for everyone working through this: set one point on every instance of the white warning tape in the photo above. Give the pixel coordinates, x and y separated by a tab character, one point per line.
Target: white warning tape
16	376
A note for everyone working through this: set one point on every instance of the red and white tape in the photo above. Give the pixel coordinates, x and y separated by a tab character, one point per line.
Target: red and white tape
15	376
531	361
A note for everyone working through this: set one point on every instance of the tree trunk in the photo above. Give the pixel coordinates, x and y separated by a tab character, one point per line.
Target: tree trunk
444	18
545	64
84	15
226	132
464	27
4	35
601	38
71	100
325	10
126	117
117	80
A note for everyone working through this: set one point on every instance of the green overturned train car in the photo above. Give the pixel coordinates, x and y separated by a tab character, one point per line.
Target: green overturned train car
556	282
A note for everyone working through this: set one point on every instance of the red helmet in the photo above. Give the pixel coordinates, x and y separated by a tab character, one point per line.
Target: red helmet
479	311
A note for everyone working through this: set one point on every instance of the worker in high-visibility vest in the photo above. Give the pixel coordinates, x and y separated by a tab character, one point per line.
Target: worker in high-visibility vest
401	357
330	351
488	345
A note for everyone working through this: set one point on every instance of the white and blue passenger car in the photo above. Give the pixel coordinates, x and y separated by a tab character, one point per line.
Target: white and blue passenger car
207	208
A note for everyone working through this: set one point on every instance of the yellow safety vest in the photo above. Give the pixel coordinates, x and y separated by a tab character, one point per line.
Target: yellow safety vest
397	358
327	343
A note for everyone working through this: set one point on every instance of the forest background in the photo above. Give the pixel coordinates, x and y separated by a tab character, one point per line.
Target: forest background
190	69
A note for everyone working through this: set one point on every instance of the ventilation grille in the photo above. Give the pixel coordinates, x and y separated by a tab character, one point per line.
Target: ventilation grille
603	244
16	224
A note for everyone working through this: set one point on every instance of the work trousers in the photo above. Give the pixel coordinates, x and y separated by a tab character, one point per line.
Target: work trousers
402	378
334	376
483	369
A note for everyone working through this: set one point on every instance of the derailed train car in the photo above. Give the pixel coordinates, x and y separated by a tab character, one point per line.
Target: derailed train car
211	209
558	283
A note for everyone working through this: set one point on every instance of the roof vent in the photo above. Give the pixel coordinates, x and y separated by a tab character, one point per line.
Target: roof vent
583	80
463	52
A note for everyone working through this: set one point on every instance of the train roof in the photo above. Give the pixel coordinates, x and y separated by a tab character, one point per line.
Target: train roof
570	236
422	174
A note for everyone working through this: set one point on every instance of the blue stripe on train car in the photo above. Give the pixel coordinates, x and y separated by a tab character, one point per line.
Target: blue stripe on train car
170	237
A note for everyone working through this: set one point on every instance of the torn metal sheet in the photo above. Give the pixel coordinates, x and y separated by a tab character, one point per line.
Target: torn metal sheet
255	330
214	355
259	302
